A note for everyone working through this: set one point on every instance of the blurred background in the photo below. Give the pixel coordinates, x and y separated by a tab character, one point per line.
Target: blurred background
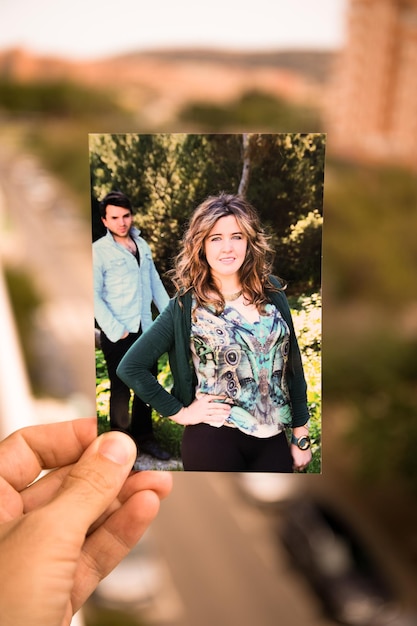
317	549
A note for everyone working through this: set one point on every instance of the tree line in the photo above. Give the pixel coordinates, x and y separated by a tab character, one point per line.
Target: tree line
167	175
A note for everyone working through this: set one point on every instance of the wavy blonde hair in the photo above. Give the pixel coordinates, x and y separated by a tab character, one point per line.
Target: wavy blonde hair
191	269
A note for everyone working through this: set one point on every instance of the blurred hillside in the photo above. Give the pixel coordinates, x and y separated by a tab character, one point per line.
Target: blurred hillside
155	86
20	64
54	103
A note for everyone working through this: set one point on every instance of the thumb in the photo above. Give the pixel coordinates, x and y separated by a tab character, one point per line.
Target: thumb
95	480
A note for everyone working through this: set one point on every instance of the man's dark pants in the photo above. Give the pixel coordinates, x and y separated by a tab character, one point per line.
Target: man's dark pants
139	426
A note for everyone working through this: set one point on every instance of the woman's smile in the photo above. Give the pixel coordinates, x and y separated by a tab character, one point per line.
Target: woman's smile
225	247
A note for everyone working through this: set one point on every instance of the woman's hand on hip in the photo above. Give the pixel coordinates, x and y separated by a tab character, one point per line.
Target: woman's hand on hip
208	409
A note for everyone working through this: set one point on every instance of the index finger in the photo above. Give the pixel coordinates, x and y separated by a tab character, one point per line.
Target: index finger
28	451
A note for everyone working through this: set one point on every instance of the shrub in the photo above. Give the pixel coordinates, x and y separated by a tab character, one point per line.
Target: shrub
306	313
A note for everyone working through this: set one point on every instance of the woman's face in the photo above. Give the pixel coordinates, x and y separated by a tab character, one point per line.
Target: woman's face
225	247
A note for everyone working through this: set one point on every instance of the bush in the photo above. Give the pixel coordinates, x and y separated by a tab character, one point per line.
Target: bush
25	301
56	98
168	433
306	313
301	251
253	109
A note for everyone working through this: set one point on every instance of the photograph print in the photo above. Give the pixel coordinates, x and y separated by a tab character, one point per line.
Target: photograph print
207	255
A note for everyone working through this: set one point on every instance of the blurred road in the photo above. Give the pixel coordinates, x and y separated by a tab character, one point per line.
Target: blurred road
225	561
47	237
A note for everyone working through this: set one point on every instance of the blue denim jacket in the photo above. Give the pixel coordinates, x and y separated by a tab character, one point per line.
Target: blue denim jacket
123	290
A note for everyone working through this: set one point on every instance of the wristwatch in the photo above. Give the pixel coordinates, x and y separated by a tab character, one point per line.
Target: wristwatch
302	442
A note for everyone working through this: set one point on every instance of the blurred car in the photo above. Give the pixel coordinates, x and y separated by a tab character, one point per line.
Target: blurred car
271	489
339	566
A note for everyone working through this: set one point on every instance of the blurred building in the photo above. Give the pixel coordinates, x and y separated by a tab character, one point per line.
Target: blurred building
372	106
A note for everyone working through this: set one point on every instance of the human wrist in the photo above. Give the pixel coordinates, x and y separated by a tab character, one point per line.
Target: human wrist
301	430
300	438
180	416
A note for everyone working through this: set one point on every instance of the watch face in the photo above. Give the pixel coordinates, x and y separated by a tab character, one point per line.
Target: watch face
304	443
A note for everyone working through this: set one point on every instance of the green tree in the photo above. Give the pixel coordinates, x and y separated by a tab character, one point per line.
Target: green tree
252	110
168	175
286	185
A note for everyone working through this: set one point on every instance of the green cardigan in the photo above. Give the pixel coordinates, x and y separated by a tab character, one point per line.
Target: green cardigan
170	332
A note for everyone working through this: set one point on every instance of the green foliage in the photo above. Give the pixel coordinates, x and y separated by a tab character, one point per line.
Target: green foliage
58	143
23	297
99	616
24	300
53	118
371	223
306	314
302	260
54	98
252	110
315	467
167	175
102	393
286	185
374	377
369	369
168	433
101	367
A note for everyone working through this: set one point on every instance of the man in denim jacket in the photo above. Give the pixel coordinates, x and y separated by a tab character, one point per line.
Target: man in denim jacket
126	283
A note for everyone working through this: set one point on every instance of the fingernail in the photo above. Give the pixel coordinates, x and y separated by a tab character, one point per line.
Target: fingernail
117	447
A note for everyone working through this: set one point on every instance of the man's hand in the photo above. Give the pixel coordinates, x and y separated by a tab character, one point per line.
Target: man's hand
60	535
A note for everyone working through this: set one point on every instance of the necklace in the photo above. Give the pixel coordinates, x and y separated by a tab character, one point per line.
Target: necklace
232	296
131	246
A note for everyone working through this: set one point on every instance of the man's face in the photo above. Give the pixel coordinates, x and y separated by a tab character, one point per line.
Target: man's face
118	220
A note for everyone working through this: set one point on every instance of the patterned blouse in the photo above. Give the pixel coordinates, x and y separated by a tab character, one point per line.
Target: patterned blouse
245	362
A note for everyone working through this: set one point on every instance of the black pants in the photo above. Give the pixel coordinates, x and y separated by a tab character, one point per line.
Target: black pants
139	425
225	449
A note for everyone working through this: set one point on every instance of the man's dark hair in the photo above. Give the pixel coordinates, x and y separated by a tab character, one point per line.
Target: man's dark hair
116	198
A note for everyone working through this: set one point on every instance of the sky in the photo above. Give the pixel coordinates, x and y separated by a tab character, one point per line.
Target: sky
88	29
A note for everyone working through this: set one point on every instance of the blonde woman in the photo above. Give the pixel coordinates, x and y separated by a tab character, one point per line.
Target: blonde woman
234	357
